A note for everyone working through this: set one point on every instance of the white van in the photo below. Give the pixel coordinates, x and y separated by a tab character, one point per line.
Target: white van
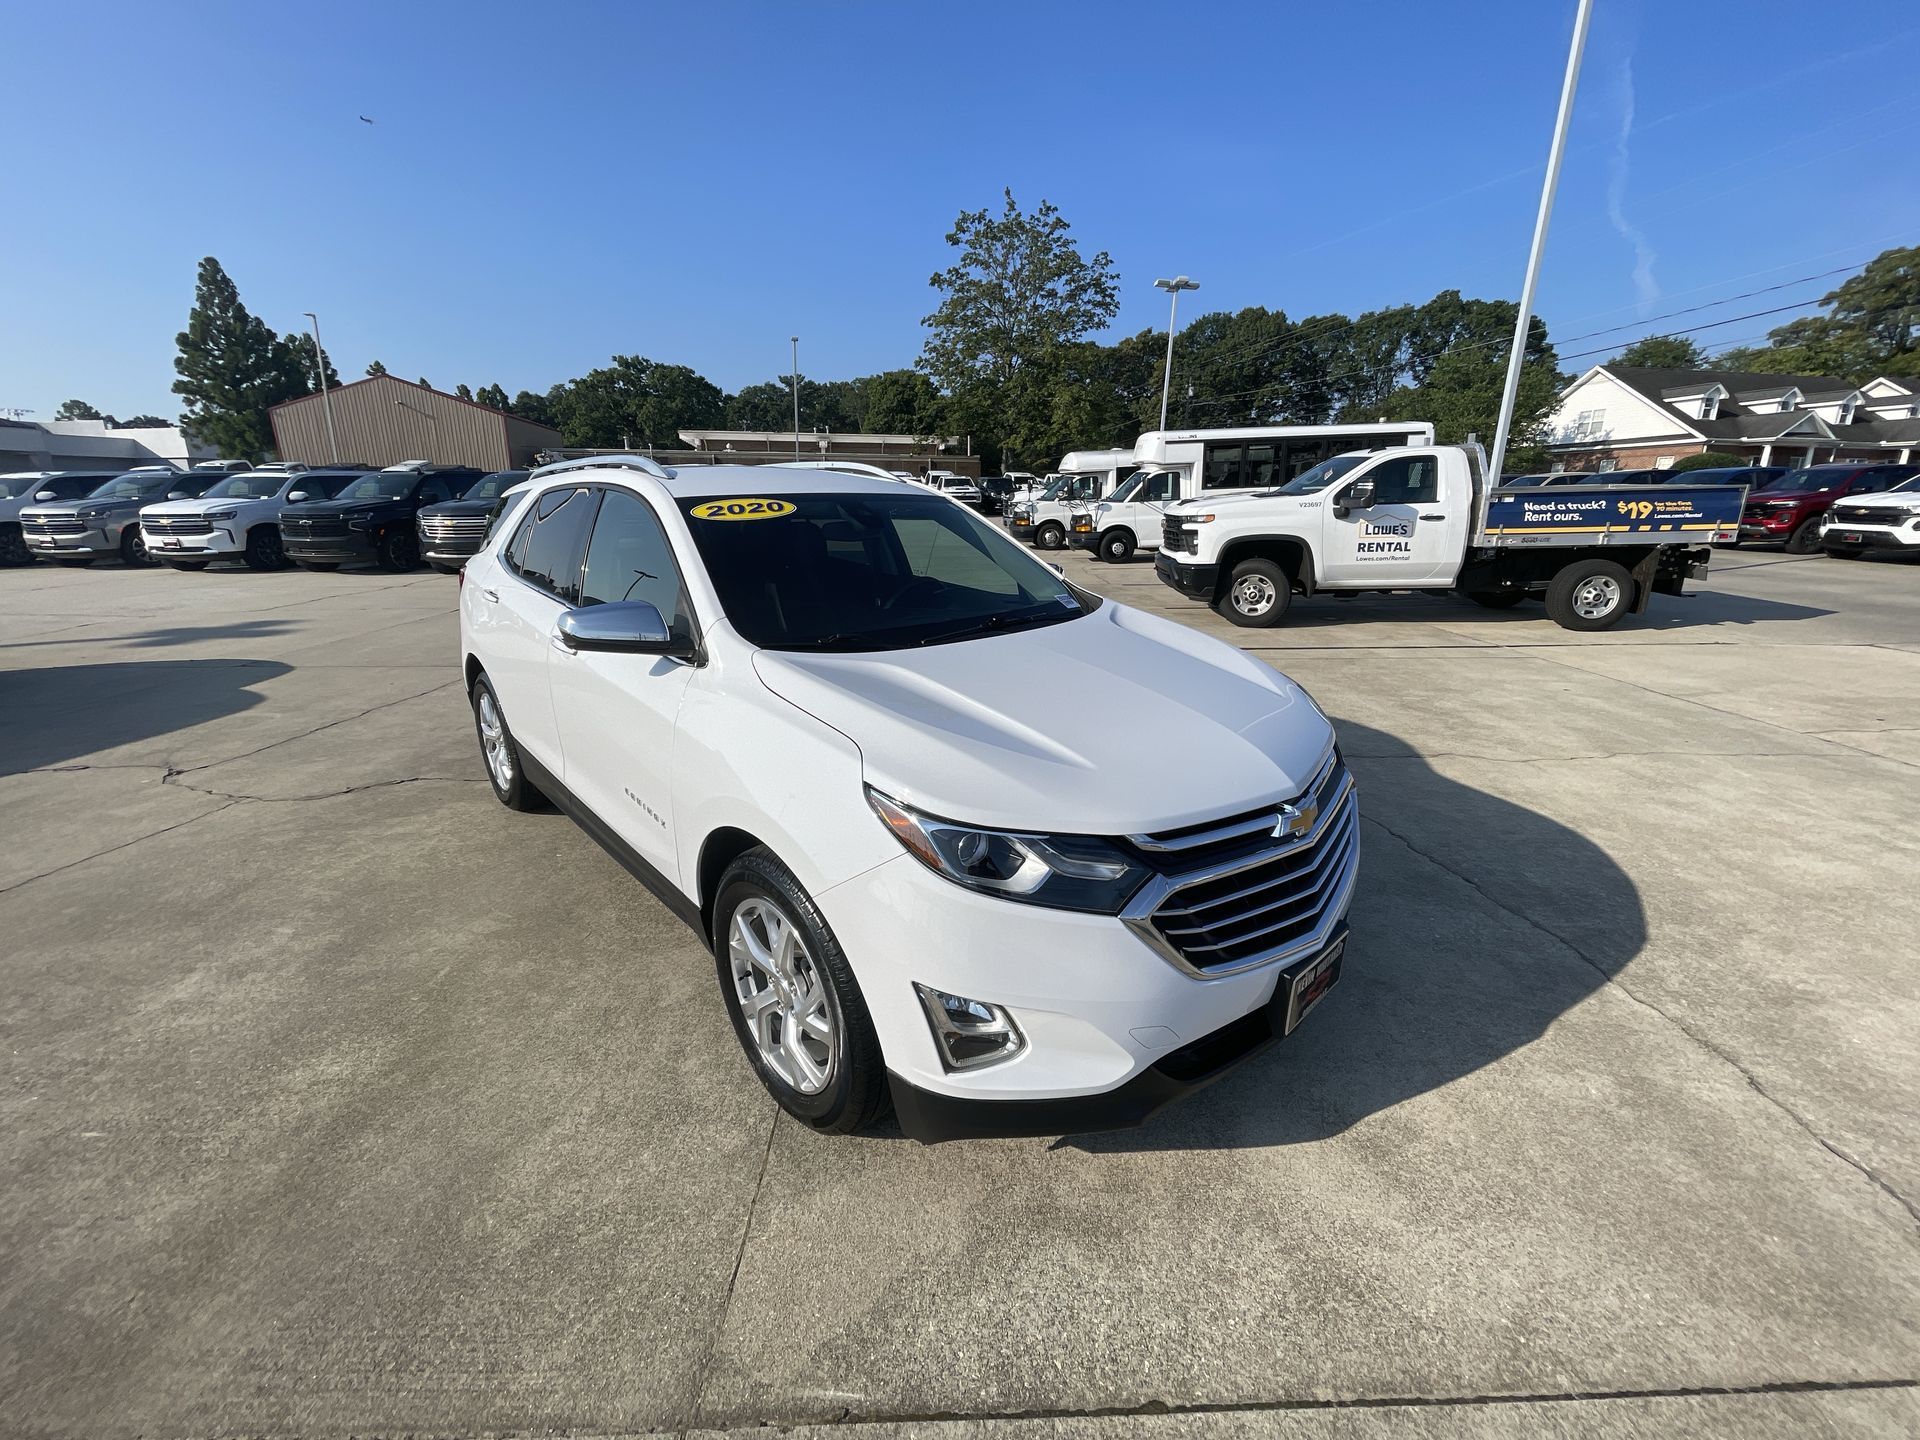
1175	465
1084	476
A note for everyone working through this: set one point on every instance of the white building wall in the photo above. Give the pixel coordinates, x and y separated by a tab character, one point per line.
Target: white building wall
1627	418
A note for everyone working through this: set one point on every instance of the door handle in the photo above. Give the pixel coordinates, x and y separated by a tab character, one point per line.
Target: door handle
491	596
1433	517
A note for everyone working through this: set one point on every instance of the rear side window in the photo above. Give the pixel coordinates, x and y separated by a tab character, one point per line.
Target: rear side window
546	551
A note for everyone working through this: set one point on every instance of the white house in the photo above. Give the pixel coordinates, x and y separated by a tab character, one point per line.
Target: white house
1618	417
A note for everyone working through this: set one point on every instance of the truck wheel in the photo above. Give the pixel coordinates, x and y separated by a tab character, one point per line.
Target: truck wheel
400	551
1589	595
1050	536
505	773
1806	539
133	548
1497	599
1257	595
13	546
1844	552
1116	546
264	550
793	1000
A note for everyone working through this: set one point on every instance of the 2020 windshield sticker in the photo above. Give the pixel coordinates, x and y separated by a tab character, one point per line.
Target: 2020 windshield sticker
743	509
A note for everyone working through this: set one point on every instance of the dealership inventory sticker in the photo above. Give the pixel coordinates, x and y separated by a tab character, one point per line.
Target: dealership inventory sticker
742	509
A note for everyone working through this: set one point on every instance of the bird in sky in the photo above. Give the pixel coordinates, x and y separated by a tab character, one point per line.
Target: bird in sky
366	120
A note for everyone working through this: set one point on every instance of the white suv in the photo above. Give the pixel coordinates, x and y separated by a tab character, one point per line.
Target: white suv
888	764
1888	521
238	518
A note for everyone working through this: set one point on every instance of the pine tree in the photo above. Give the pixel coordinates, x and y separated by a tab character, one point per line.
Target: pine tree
376	368
492	396
232	369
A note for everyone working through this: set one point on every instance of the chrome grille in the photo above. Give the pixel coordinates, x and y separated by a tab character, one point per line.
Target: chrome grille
50	525
453	527
1870	514
177	524
1278	902
312	528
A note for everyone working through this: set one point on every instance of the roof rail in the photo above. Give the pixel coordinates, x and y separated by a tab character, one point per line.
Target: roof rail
604	462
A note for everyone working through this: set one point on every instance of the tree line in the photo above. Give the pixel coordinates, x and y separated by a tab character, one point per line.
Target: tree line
1008	360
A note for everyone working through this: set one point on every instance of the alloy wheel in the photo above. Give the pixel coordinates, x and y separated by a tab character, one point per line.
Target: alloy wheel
783	996
493	743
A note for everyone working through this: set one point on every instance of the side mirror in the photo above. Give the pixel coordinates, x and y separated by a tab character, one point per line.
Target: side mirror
632	627
46	495
296	497
179	495
1357	496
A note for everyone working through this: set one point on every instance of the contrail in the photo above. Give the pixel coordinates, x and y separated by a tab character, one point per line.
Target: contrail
1645	287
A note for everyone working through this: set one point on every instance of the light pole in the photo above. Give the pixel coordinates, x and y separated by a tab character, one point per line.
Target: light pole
326	399
796	395
1173	288
433	435
1524	319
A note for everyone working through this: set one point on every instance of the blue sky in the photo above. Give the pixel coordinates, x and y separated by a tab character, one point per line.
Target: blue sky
545	186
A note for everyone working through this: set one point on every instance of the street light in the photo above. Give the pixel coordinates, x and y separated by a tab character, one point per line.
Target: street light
796	395
433	435
326	399
1173	288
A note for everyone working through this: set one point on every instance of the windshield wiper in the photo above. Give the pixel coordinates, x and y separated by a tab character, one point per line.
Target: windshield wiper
992	624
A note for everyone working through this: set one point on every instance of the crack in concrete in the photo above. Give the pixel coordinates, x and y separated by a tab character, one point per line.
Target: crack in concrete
149	835
1613	981
173	771
1151	1408
240	795
705	1376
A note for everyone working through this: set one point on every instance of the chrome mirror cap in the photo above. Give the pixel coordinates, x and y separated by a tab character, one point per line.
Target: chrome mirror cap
633	626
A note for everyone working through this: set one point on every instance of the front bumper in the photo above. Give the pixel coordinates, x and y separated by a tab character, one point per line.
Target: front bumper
1868	537
1114	1031
1196	582
350	549
447	552
164	543
86	545
1768	529
1022	529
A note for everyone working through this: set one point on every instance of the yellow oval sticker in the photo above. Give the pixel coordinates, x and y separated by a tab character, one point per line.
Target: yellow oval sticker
742	509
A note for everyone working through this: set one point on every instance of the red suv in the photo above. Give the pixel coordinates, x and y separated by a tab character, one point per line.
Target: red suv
1789	508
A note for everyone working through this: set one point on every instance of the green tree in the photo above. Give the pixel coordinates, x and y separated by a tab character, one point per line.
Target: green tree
824	405
80	410
903	402
541	408
1462	398
232	369
143	422
492	396
303	350
637	401
1709	460
1018	295
1872	327
1663	352
463	392
374	367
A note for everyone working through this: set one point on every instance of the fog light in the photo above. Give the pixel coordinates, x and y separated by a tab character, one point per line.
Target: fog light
969	1033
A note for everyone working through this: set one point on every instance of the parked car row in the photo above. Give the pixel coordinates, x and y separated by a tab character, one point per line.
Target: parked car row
266	516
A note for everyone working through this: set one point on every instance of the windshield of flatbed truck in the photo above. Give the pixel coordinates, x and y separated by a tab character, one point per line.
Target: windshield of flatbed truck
863	571
1308	482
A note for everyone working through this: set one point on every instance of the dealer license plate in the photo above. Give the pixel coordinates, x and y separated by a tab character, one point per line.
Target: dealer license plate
1853	539
169	542
1307	985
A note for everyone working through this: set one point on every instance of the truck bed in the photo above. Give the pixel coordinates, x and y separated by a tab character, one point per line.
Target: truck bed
1553	515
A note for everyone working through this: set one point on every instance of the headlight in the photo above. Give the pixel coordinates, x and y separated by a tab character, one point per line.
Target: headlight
361	524
94	514
1065	872
221	514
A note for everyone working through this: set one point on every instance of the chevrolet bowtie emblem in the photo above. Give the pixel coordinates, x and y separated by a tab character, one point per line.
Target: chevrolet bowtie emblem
1295	822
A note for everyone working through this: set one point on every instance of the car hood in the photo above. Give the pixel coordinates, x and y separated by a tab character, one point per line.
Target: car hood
458	509
199	506
1891	499
1135	724
347	507
67	509
1794	497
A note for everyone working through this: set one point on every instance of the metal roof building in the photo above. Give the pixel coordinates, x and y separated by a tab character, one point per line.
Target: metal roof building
383	420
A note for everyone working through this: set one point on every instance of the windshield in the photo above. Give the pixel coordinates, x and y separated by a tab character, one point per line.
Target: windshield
488	487
1309	482
128	487
872	572
1800	482
247	487
381	485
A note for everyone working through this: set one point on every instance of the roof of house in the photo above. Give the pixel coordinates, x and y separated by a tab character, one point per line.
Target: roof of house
1735	421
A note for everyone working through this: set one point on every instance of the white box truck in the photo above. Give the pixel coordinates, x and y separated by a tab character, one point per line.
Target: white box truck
1083	477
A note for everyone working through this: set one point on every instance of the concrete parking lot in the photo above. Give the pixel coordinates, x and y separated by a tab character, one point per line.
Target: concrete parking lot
341	1101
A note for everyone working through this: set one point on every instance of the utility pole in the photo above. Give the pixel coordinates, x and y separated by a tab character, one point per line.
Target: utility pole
1524	319
1173	288
326	399
796	396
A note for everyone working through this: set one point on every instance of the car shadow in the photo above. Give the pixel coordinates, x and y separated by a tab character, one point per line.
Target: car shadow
1476	925
174	635
56	714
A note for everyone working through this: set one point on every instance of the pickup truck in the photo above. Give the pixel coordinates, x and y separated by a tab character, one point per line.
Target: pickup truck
1424	518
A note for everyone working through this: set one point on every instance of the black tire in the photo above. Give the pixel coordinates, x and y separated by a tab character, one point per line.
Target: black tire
1257	594
1496	599
1050	536
189	565
133	549
79	562
400	552
264	549
1843	552
1116	547
13	547
516	792
445	569
1579	588
855	1094
323	567
1805	538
